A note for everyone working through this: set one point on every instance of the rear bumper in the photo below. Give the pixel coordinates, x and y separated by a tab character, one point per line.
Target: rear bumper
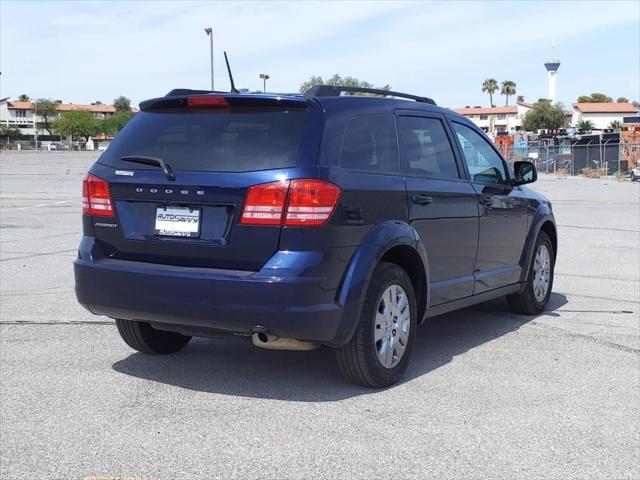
287	301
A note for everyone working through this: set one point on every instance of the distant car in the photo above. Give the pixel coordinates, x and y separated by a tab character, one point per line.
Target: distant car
635	174
301	221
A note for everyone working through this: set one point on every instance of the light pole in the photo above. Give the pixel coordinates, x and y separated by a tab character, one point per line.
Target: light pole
35	123
209	32
264	78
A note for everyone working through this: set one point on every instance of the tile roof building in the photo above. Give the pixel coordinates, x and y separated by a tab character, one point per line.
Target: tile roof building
602	114
22	115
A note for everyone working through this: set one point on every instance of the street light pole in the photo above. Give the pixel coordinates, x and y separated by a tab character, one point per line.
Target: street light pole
209	32
264	78
35	124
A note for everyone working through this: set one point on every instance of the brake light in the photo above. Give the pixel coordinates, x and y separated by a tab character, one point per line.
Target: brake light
208	101
295	204
264	204
96	198
311	202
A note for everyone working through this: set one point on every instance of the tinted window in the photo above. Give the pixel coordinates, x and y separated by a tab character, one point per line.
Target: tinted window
215	142
425	149
369	143
484	164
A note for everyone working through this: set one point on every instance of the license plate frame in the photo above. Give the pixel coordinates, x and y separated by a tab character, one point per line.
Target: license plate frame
178	221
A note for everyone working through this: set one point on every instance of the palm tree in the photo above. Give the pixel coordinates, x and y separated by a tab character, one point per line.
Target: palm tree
615	125
585	126
24	98
490	86
508	88
520	98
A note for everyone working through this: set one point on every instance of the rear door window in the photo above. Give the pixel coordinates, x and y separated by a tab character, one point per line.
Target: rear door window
369	144
236	141
425	149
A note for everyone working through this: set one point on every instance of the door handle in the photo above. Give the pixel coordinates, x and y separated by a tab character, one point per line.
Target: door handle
486	200
421	199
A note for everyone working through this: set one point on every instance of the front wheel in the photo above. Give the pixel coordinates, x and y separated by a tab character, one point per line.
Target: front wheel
539	282
378	353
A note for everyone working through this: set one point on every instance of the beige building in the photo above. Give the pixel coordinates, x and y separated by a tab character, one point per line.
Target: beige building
601	114
22	115
497	119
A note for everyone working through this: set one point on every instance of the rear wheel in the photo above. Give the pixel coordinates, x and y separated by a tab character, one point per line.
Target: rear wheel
378	353
143	337
540	281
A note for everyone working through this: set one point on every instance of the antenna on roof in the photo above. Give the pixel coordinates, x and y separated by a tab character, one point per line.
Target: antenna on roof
233	87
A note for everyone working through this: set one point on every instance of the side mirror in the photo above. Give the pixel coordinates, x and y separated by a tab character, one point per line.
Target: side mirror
525	172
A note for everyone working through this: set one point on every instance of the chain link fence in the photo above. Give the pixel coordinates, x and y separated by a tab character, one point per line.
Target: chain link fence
609	158
63	145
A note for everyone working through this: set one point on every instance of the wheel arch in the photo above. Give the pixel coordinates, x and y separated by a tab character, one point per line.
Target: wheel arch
392	241
409	260
543	221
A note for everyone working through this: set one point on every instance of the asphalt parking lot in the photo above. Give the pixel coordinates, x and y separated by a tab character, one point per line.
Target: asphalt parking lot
488	394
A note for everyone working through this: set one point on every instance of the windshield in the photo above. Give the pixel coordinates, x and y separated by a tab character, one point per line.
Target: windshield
236	141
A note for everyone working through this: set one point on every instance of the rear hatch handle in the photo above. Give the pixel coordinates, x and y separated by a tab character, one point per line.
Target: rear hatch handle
155	161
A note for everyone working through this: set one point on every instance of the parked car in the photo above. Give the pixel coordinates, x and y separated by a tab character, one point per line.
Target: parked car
299	221
634	173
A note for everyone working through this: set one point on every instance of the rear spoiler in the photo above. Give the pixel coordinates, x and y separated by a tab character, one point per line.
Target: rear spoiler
183	98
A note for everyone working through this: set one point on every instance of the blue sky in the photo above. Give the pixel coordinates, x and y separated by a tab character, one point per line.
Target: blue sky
86	51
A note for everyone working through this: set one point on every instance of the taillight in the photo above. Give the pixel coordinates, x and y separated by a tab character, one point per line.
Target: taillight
295	204
311	202
264	204
96	198
208	101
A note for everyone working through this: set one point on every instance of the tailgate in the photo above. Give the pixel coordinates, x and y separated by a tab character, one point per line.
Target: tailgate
191	218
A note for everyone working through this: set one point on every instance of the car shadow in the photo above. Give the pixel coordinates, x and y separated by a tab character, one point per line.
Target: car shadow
235	367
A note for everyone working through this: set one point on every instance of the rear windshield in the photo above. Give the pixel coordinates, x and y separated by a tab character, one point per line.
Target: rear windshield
236	141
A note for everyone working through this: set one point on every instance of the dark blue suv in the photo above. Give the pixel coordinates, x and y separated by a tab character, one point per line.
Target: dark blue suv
300	221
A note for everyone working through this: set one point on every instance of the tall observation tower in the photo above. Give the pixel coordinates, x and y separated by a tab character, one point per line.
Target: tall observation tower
552	67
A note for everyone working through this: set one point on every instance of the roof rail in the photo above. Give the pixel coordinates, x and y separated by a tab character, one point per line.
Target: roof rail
335	91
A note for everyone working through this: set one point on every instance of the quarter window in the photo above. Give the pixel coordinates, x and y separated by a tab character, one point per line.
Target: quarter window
484	164
369	143
425	149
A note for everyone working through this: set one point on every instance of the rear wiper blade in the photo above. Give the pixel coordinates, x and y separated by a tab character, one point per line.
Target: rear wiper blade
155	161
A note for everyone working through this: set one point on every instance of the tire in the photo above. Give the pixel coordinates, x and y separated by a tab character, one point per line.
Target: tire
528	302
359	360
144	338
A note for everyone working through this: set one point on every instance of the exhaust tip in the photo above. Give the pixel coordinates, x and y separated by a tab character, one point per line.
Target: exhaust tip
273	342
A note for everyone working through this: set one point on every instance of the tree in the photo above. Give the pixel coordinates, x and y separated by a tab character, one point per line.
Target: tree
490	86
520	98
48	110
544	115
24	98
585	126
595	98
76	124
622	100
122	104
616	124
508	88
10	133
636	104
113	124
337	80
